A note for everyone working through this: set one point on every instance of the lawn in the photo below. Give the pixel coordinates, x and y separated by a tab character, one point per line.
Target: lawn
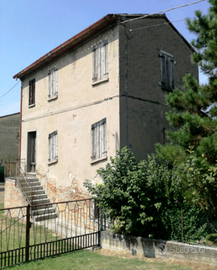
87	260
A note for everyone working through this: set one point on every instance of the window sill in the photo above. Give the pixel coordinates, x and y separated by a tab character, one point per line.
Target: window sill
100	81
52	98
32	105
53	162
166	88
98	160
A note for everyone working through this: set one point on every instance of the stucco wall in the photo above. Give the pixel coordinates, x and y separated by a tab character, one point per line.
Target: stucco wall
79	105
152	248
143	112
9	136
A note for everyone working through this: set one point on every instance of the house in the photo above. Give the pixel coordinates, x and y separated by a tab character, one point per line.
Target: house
97	92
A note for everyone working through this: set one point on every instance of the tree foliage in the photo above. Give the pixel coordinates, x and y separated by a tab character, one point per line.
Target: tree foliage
133	193
193	109
193	117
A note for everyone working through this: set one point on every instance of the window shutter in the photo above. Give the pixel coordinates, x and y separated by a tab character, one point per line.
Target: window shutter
98	133
171	72
100	61
94	64
32	92
55	83
163	69
53	147
93	134
50	84
167	71
105	61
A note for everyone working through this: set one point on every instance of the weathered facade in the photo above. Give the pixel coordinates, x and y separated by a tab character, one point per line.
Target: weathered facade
99	91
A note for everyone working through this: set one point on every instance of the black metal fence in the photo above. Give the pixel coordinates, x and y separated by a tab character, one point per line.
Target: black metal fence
35	232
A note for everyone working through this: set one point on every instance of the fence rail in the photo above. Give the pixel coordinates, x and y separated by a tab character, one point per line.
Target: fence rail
22	238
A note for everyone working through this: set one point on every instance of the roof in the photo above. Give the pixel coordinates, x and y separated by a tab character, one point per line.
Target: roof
83	36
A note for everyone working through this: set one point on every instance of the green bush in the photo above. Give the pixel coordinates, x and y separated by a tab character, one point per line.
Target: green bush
147	199
133	193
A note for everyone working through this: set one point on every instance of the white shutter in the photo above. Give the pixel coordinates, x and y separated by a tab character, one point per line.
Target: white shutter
104	151
53	149
102	63
98	63
98	133
50	84
94	64
55	83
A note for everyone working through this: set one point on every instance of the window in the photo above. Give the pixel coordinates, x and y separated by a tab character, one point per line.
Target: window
167	71
98	131
32	92
100	61
52	138
52	83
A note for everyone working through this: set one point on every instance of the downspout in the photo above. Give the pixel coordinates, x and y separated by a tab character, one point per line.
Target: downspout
21	91
126	82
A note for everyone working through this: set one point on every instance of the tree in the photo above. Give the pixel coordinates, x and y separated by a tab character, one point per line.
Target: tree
193	114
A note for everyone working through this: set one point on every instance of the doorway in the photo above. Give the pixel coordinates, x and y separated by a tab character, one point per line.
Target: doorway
31	152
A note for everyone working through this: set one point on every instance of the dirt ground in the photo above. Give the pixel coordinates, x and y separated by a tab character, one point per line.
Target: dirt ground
126	255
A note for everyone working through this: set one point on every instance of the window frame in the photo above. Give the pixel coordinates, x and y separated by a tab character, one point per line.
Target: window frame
53	83
32	93
100	62
167	70
98	141
53	147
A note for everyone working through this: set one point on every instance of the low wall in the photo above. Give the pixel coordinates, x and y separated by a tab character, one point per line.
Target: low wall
152	248
13	196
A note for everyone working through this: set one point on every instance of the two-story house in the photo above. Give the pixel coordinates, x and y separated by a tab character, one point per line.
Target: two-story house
97	92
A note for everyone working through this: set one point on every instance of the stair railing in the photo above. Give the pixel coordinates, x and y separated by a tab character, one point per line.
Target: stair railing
21	176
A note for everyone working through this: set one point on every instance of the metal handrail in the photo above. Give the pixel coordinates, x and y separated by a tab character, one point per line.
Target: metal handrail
22	174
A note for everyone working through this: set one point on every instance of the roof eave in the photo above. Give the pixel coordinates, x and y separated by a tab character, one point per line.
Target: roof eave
68	45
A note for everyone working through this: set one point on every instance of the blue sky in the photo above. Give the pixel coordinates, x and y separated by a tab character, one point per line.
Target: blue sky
31	28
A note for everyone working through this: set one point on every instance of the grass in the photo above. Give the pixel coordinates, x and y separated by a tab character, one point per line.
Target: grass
87	260
13	232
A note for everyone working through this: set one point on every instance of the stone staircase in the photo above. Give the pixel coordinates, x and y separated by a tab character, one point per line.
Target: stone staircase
36	197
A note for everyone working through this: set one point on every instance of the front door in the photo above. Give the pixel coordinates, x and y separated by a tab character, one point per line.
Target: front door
31	151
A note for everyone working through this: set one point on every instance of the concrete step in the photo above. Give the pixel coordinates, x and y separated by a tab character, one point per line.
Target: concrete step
35	207
37	197
44	211
29	180
35	188
36	192
46	217
43	201
24	185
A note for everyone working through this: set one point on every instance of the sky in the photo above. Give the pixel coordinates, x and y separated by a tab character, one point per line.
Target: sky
31	28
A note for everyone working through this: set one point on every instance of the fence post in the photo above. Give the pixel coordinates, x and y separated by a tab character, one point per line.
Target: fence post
99	227
182	225
27	231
